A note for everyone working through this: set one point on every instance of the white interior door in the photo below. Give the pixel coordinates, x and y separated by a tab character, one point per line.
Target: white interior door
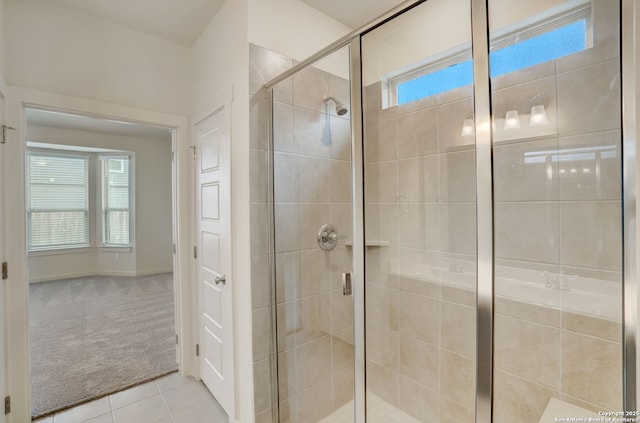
214	257
3	311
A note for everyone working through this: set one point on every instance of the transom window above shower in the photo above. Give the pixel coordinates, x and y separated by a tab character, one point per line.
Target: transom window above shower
548	36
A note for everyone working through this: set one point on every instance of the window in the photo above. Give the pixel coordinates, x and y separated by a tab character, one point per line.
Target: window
115	200
551	38
57	201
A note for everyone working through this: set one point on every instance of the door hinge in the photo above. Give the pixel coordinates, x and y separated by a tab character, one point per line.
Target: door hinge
5	270
195	151
197	350
6	128
195	252
7	404
176	339
174	248
173	156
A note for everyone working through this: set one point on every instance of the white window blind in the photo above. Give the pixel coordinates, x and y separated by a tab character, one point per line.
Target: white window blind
57	201
115	200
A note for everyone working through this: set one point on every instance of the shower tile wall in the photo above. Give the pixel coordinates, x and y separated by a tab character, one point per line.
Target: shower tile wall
311	188
420	190
264	65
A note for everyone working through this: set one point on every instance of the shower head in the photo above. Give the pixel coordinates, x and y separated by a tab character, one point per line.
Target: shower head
341	109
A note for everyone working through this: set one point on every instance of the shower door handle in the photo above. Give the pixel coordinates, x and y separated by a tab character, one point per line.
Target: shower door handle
347	288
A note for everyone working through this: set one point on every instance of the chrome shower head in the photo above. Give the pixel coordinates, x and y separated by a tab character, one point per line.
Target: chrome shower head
341	109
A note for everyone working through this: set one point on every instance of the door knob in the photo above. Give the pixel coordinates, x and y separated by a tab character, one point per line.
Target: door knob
222	279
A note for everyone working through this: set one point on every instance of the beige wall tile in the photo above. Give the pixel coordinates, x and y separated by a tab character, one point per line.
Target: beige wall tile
314	180
450	119
459	296
259	234
382	346
429	289
411	225
458	329
315	403
283	92
260	286
340	145
265	416
594	174
309	135
341	256
258	175
342	355
589	98
286	227
381	147
591	234
341	311
313	363
418	401
606	37
287	325
529	312
285	177
430	173
340	176
409	178
528	74
518	400
382	182
262	384
419	317
419	361
287	277
591	370
312	217
527	231
528	350
264	65
382	306
526	171
452	412
282	127
258	136
417	133
309	88
261	333
314	320
343	387
287	374
457	378
458	176
315	276
586	325
382	382
458	226
289	410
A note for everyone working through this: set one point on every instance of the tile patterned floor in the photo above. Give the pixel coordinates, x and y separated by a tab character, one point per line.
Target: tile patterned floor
378	411
170	399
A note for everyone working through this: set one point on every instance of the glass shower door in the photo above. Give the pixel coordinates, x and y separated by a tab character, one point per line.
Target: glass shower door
313	241
420	216
555	78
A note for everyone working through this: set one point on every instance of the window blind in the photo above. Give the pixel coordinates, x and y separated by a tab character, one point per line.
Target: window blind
115	200
57	201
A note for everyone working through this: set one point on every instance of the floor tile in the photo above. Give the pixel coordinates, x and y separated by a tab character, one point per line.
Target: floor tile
186	397
132	395
171	381
84	412
204	412
105	418
149	410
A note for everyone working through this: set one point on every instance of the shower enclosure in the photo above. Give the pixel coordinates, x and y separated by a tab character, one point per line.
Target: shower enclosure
447	187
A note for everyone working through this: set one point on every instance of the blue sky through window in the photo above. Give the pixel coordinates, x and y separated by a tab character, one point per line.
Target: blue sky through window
541	48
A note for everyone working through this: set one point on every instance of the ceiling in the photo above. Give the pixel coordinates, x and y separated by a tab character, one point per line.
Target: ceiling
354	13
179	21
91	124
182	21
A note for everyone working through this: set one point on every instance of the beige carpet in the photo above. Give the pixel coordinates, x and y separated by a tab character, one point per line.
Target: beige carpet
94	336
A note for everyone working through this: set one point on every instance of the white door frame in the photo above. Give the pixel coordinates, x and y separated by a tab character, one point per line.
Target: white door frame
223	101
17	100
3	252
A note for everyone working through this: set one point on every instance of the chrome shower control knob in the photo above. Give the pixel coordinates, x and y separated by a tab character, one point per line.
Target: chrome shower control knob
327	237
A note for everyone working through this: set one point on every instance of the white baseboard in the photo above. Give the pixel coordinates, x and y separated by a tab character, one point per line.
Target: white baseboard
126	273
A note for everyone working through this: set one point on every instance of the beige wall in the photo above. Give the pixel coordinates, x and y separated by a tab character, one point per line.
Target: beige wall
152	251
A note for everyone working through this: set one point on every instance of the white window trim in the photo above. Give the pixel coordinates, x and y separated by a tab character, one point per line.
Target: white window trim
116	248
64	249
535	25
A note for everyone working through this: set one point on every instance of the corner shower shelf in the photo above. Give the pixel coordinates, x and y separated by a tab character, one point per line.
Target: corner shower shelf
371	243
